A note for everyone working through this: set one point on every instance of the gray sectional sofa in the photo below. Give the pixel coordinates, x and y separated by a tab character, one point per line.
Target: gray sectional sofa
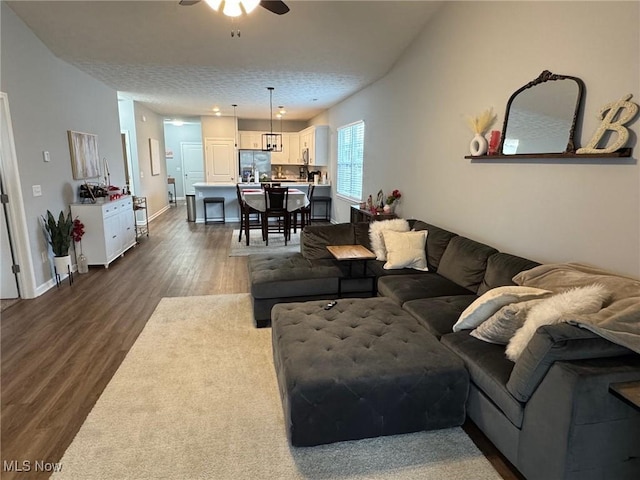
550	413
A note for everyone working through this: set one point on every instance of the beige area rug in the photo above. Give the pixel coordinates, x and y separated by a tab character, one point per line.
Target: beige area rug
258	246
196	398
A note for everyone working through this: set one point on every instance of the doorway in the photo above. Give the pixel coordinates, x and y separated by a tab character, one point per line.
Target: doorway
192	166
9	289
15	233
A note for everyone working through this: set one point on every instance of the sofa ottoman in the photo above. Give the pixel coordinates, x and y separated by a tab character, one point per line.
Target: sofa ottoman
363	368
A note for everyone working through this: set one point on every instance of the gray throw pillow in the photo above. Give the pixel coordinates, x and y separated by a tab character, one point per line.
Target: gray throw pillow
502	325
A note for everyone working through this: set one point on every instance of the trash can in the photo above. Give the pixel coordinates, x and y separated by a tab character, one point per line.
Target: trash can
191	208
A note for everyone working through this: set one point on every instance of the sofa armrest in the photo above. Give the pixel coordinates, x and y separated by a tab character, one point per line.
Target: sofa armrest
553	343
575	428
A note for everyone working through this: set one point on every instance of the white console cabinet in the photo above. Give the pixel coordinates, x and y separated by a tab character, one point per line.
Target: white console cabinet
109	229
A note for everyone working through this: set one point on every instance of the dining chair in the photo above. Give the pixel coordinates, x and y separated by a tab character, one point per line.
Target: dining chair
305	212
276	199
250	218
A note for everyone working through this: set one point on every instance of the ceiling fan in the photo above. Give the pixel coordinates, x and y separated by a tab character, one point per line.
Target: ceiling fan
234	8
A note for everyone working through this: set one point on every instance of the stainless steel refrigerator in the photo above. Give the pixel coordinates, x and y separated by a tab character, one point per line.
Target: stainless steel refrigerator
252	161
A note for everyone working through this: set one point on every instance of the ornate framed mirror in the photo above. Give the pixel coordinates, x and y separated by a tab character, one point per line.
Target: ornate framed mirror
541	116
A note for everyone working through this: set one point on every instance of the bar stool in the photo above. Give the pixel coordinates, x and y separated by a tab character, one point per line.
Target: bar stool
327	208
214	200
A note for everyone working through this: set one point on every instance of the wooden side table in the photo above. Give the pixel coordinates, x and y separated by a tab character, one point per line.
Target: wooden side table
351	254
627	391
363	215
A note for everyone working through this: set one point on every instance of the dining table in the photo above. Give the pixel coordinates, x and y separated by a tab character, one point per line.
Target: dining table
255	198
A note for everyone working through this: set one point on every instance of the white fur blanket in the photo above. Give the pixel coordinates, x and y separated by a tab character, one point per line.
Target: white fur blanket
619	319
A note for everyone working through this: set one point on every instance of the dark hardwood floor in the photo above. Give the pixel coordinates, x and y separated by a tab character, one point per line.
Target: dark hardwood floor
60	350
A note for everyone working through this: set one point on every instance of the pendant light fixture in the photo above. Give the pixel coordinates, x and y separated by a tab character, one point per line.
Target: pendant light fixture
271	142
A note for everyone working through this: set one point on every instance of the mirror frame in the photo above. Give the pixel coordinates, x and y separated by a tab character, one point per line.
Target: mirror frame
546	76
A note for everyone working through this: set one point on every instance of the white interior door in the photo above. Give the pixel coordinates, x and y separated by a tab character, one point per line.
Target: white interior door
192	165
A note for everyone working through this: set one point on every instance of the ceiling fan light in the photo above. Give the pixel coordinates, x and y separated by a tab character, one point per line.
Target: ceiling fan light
215	4
249	5
232	8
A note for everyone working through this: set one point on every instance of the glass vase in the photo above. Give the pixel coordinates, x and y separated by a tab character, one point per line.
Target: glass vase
83	264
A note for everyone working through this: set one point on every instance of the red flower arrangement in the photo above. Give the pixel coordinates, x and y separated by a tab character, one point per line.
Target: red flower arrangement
395	195
78	230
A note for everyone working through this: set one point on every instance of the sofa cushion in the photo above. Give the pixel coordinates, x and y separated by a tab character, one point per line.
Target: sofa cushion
315	238
439	314
489	371
402	288
437	242
501	268
550	344
465	261
291	275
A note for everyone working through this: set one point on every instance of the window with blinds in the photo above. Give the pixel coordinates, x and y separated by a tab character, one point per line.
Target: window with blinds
350	160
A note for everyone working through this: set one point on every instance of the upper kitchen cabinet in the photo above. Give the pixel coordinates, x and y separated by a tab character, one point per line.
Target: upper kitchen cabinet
280	158
315	141
294	149
290	154
250	140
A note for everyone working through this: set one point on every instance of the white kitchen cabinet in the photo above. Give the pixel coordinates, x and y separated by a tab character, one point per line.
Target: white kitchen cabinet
109	229
316	140
220	160
290	154
294	156
250	140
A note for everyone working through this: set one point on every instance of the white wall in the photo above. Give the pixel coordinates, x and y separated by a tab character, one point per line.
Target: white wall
470	57
47	97
149	124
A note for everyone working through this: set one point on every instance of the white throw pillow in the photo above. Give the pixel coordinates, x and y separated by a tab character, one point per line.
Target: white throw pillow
492	301
405	250
557	308
502	325
375	234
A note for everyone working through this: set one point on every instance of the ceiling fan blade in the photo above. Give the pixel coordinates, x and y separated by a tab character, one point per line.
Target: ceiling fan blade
276	6
188	3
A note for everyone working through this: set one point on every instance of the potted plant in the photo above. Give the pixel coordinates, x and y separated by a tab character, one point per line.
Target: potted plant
59	237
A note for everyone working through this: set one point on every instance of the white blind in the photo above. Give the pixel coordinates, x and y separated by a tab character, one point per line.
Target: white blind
350	160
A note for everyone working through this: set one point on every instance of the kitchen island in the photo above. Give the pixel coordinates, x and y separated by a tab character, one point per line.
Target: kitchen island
228	191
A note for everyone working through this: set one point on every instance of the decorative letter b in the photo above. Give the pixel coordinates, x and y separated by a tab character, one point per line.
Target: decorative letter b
629	111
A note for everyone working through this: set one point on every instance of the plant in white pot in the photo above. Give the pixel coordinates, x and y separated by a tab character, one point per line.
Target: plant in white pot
59	237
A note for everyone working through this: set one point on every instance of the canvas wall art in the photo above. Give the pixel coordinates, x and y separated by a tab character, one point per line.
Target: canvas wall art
85	161
154	149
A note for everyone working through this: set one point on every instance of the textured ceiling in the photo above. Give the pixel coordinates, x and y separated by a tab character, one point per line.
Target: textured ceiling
181	60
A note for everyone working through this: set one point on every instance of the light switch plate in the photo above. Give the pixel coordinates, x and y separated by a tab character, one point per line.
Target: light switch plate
37	190
46	157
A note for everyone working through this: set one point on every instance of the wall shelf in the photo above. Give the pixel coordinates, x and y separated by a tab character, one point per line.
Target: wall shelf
623	152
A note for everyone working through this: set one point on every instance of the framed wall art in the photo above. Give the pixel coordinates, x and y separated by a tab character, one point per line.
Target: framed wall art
85	161
154	150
